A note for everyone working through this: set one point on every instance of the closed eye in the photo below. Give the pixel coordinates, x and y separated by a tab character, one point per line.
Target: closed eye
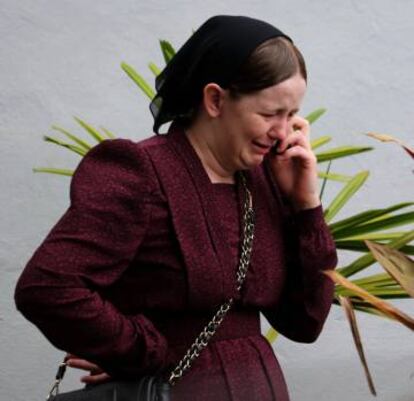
279	113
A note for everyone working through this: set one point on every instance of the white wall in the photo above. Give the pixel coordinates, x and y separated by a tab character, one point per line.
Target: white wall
61	58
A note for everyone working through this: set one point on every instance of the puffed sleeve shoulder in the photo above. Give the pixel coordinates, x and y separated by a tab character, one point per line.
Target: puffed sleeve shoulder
89	248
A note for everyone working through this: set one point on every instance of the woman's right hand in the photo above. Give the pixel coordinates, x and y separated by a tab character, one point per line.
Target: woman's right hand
96	374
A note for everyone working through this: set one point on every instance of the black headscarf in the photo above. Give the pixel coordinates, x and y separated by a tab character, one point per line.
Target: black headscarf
214	53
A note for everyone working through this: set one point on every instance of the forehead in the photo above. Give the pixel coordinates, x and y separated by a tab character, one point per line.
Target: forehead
286	94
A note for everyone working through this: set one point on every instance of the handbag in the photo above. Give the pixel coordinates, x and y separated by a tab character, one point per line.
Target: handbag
155	388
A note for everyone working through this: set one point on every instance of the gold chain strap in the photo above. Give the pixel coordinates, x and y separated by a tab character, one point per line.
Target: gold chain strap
210	329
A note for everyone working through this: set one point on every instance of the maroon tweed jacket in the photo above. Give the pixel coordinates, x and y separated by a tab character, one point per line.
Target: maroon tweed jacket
149	247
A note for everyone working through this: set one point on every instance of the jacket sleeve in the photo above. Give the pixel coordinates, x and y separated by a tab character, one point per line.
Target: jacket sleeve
89	249
307	295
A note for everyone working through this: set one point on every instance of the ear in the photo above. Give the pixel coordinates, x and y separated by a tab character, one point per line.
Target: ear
213	97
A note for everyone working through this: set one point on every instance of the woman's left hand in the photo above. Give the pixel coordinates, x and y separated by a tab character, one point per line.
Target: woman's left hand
294	166
96	374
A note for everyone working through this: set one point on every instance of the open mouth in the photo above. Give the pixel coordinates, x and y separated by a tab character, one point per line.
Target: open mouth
261	147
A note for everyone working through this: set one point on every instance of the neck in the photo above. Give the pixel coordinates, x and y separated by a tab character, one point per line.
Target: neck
201	138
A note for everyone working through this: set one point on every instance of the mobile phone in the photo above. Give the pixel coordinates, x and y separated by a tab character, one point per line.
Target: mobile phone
273	150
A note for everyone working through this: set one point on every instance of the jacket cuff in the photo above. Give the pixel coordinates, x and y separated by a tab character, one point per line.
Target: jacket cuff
154	346
309	219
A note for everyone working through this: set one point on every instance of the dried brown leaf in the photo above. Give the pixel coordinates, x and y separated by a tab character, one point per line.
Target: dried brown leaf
350	314
383	137
389	138
396	263
385	307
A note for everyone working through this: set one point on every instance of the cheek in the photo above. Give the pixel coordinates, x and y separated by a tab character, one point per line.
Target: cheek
243	128
255	127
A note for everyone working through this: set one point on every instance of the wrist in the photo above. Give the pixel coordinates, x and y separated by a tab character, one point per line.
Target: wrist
304	204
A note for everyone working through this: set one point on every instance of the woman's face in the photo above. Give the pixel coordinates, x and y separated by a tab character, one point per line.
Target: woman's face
251	124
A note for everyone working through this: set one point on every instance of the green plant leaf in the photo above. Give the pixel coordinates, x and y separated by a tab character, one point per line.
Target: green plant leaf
382	293
315	115
369	310
360	246
368	259
142	84
90	130
271	335
108	133
375	279
318	142
383	224
345	194
342	151
73	148
74	138
378	236
59	171
335	177
167	50
155	70
325	180
345	226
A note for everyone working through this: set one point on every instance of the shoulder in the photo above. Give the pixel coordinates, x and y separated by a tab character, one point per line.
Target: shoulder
121	153
116	166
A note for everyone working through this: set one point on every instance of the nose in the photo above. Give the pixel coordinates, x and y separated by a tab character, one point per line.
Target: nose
279	129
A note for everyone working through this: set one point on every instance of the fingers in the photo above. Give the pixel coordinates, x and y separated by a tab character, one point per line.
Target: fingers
297	138
300	124
96	379
298	135
96	374
307	157
83	364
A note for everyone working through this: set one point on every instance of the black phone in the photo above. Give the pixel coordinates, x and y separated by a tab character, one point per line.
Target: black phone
273	150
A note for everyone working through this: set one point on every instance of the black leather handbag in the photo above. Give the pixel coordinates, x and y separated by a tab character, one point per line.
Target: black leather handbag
155	388
148	388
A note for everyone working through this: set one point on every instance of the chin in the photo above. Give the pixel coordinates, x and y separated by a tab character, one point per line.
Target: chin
252	162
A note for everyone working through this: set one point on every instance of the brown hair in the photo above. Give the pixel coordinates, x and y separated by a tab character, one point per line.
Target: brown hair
274	61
